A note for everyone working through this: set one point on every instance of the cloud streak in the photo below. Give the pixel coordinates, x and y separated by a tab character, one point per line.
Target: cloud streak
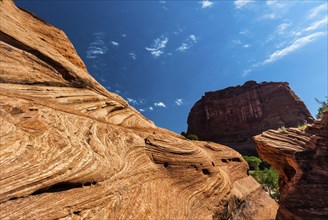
297	44
206	4
134	102
183	47
190	41
239	4
114	43
178	102
133	56
318	10
193	38
275	3
97	47
315	25
158	46
159	104
292	34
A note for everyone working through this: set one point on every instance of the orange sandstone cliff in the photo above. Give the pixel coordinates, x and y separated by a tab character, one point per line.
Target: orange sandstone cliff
72	150
300	157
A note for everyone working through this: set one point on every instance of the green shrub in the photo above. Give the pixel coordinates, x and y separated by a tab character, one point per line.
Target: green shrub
323	107
302	127
268	178
253	162
192	137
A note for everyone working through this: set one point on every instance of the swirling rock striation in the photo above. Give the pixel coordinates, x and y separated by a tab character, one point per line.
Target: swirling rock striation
72	150
300	157
232	116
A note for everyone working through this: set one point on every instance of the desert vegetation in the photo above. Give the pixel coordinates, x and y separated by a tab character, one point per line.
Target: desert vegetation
323	107
264	174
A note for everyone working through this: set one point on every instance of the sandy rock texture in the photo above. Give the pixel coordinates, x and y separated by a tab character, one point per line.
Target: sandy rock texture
232	116
72	150
300	157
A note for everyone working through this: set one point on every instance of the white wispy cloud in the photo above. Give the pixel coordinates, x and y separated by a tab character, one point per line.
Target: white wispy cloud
240	43
193	38
291	34
318	10
97	47
141	109
157	53
236	42
124	35
317	24
132	101
269	16
114	43
162	2
246	72
281	32
178	101
183	47
297	44
281	28
151	108
158	46
312	27
178	31
275	3
159	104
190	41
244	32
133	55
206	4
239	4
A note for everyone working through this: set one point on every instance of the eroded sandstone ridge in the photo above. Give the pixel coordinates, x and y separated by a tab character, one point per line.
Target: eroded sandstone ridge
72	150
300	157
232	116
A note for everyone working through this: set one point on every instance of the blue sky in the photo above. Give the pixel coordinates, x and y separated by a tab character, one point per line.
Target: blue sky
162	56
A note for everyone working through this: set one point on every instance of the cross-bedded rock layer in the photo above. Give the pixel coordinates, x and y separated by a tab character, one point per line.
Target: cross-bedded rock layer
233	115
72	150
300	157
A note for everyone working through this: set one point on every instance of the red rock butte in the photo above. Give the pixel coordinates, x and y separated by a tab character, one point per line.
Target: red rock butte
72	150
233	115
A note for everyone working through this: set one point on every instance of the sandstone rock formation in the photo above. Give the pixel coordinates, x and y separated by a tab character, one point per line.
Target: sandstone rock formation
233	115
72	150
300	157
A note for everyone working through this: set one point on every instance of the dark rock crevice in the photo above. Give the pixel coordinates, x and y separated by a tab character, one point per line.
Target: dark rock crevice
61	187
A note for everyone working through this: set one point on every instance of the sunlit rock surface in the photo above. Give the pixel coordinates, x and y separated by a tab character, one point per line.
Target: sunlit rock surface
233	115
300	157
72	150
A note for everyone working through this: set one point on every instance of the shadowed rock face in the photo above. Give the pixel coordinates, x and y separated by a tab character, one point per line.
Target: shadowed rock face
233	115
72	150
300	157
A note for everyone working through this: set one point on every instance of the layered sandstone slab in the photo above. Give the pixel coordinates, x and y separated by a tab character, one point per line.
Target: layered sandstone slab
300	157
233	115
72	150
